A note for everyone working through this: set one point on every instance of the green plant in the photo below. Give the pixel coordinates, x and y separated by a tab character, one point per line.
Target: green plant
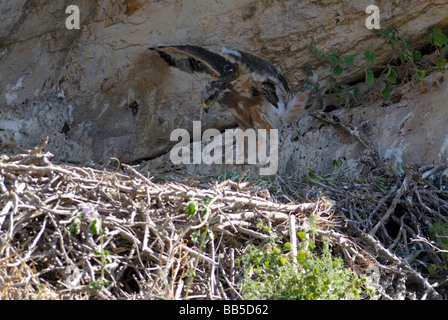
192	209
271	273
385	180
439	40
401	65
339	168
95	227
439	233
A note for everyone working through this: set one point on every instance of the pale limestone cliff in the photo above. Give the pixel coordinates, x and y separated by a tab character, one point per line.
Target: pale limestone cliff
97	92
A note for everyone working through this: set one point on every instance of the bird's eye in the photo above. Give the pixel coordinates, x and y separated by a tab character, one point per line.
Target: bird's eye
228	68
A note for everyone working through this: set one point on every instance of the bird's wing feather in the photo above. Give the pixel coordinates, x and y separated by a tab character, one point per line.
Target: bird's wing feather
272	81
261	69
304	100
195	59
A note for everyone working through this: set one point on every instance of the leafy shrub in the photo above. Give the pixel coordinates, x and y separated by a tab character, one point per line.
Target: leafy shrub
439	41
88	213
270	273
402	66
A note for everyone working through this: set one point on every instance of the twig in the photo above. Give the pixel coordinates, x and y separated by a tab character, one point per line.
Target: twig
359	136
149	233
391	209
293	238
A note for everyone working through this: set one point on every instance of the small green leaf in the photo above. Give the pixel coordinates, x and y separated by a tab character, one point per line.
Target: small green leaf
308	70
191	208
301	235
205	210
102	282
419	75
437	37
441	63
370	56
316	270
406	56
390	35
287	246
369	77
391	75
385	90
349	60
334	59
75	226
94	286
301	256
95	226
207	199
432	269
355	93
392	41
195	236
337	70
440	39
382	32
317	52
417	55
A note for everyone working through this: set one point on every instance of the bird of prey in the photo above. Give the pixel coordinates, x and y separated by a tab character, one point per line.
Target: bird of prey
252	88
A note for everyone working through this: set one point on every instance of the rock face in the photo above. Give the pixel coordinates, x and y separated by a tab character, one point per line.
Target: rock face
98	93
412	130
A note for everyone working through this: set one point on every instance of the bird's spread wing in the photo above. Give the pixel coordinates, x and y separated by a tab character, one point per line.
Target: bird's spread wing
195	59
303	101
271	83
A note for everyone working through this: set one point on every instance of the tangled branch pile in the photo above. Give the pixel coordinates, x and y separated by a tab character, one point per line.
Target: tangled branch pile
400	218
148	238
151	253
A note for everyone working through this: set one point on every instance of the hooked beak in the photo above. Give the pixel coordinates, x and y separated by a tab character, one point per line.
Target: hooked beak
206	107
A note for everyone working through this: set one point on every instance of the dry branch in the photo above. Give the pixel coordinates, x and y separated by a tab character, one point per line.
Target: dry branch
148	233
152	251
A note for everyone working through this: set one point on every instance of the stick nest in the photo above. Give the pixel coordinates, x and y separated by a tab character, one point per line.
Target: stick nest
382	233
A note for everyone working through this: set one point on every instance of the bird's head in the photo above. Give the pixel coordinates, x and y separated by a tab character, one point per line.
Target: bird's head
213	91
209	95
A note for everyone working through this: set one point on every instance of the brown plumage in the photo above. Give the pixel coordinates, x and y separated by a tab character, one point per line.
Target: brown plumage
250	86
